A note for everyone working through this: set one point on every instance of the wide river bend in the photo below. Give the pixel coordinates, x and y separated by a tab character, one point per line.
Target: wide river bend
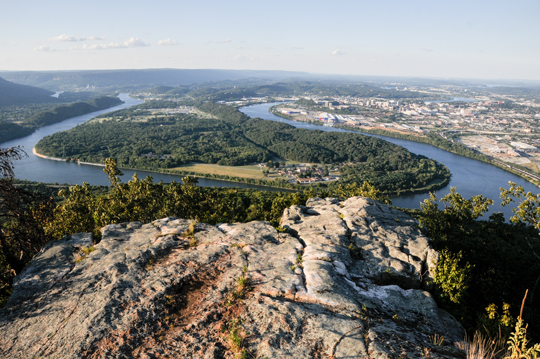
471	177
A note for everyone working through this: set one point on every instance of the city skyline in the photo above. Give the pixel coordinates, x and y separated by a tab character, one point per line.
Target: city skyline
482	40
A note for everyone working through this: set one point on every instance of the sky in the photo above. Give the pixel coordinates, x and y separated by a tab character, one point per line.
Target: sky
438	38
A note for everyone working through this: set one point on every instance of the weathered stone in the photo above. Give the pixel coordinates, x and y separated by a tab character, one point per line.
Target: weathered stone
344	282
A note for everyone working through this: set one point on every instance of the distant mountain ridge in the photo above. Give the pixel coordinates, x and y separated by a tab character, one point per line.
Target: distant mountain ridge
65	80
17	94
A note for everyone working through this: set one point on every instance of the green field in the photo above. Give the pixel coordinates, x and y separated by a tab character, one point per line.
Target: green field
237	171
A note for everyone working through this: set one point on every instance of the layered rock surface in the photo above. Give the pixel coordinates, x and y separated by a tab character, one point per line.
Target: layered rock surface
346	280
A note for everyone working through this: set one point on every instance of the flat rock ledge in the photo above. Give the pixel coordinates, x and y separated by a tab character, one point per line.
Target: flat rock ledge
345	280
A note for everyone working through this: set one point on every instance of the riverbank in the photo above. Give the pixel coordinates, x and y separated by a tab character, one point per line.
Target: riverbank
174	172
440	142
447	145
12	131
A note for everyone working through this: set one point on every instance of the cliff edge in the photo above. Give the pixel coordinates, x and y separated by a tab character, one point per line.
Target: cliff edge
346	280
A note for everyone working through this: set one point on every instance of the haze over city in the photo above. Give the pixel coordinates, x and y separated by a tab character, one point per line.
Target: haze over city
458	39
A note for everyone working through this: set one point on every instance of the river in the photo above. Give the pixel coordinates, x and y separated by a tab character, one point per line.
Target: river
34	168
470	177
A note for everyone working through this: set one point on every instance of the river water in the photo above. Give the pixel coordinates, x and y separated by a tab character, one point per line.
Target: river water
34	168
470	177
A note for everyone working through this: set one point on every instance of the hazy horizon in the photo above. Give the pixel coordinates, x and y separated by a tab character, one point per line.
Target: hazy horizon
482	40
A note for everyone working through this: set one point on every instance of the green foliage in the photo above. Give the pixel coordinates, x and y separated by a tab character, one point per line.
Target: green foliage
10	131
482	262
22	215
451	277
367	189
518	344
16	94
64	112
493	321
136	140
528	209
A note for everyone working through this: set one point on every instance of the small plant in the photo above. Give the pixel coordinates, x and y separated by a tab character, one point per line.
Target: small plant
88	250
341	216
518	344
242	287
281	229
293	268
299	258
191	229
150	263
83	253
236	338
436	339
193	242
396	318
480	348
356	252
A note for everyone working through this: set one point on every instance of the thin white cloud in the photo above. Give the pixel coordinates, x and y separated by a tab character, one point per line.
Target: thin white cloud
225	41
133	42
167	42
44	49
71	38
337	52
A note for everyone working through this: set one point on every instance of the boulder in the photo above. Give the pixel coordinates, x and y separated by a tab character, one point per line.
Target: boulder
346	280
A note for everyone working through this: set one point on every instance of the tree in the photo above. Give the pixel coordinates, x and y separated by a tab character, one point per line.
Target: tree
527	212
21	216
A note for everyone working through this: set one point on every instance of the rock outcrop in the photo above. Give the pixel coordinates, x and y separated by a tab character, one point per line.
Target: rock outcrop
346	280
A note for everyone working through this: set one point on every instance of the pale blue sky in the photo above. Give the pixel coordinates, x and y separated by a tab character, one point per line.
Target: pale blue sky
437	38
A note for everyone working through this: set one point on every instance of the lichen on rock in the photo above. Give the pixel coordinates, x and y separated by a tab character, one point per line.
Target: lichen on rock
347	280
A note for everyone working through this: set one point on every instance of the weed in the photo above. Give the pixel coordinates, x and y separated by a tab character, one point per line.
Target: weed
88	250
396	318
236	336
356	252
150	263
193	242
83	253
299	259
293	268
191	229
436	339
518	341
480	348
242	287
341	215
281	229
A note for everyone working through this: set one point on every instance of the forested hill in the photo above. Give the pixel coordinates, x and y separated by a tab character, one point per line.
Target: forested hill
64	112
68	80
138	139
16	94
10	130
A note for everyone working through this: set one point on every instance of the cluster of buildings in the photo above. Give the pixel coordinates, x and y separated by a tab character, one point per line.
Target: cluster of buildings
306	173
